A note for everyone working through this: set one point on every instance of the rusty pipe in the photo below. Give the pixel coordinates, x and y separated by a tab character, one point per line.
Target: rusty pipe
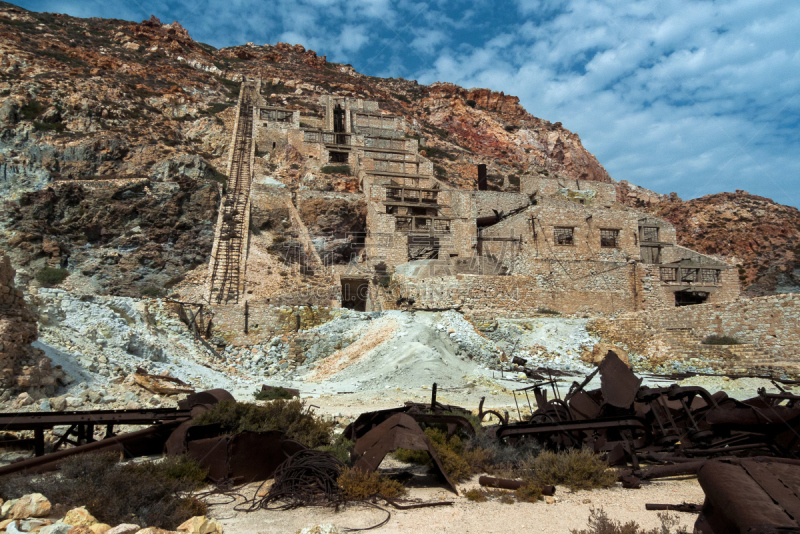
49	462
507	483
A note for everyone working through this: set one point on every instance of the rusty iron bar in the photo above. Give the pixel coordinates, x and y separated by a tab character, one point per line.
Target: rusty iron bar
506	483
689	508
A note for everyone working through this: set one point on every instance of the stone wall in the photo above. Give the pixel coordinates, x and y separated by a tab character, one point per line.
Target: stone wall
488	201
769	322
567	288
544	187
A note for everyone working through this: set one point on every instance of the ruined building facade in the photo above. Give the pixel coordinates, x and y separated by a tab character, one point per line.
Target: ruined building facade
565	246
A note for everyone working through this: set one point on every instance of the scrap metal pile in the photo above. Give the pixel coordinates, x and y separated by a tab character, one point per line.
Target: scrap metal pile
746	454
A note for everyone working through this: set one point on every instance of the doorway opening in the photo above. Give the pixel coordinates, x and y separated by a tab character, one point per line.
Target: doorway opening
355	292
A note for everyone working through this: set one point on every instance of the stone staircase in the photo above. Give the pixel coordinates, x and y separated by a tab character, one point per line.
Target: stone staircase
229	251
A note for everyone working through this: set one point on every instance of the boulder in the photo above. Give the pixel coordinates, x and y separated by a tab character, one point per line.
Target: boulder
58	404
154	530
56	528
33	525
79	517
7	506
201	525
9	112
601	350
31	505
125	528
80	529
319	529
100	528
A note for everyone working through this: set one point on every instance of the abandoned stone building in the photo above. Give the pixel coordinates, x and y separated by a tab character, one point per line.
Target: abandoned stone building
566	246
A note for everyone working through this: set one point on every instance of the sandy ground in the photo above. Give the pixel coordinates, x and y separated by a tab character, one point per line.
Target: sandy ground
570	511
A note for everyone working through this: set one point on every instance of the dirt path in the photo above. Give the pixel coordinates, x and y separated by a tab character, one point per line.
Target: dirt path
570	511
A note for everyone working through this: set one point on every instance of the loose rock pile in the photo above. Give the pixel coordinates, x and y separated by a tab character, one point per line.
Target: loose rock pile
34	513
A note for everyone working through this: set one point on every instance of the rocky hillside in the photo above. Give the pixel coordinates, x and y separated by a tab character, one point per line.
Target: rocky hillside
115	135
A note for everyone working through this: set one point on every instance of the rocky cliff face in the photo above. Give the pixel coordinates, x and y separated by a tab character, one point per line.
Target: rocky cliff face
115	135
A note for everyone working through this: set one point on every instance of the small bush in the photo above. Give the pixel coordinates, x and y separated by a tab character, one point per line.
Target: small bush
576	469
599	523
357	485
451	453
51	277
341	448
336	169
147	493
152	292
31	110
272	394
548	311
530	492
289	416
476	495
721	340
48	126
217	107
439	171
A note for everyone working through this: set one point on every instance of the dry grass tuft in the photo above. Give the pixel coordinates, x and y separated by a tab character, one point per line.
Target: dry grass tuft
530	492
146	493
599	523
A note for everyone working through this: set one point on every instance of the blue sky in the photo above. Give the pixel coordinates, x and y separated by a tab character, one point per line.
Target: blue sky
692	96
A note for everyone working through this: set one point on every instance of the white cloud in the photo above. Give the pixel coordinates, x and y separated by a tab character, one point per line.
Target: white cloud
694	96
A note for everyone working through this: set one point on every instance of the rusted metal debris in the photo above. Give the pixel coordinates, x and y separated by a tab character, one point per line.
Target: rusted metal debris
239	458
433	413
750	495
400	431
689	508
163	385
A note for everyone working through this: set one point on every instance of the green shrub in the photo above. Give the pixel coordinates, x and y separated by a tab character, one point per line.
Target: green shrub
272	394
217	107
289	416
548	311
451	453
48	126
31	110
340	448
146	493
152	292
49	276
336	169
721	340
576	469
439	171
356	485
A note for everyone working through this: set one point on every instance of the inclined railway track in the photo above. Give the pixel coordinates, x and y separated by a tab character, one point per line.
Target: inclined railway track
227	272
